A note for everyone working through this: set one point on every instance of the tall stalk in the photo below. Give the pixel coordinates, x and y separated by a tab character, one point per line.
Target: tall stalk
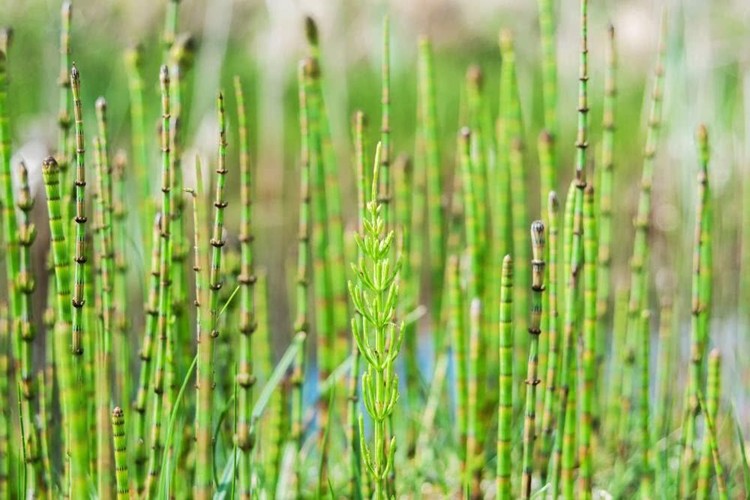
553	351
375	297
535	330
73	409
700	310
25	327
505	383
165	288
104	350
710	462
133	64
245	377
429	132
302	319
587	382
644	412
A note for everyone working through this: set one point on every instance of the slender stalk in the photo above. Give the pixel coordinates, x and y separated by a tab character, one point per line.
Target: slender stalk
429	131
106	261
302	320
133	64
146	354
5	400
505	383
120	442
64	121
587	383
644	412
73	409
700	311
165	289
535	330
604	261
25	327
547	28
553	356
473	443
203	485
245	377
383	190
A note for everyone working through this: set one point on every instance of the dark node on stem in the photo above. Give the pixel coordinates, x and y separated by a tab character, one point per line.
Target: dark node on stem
311	31
475	76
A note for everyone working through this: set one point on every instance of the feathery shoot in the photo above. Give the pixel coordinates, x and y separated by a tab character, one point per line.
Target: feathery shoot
375	297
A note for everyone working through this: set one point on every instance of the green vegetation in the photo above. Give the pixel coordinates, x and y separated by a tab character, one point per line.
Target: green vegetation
337	320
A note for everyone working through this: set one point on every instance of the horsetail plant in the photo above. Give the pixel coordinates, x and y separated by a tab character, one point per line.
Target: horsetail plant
460	361
535	330
106	287
72	404
700	309
302	319
64	121
25	328
203	486
165	288
245	377
505	383
375	296
588	352
120	442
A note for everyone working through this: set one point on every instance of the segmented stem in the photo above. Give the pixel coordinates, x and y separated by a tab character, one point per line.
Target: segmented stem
505	383
120	443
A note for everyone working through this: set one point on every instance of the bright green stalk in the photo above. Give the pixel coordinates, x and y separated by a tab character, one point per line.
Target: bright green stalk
604	286
106	261
80	217
644	413
473	444
375	297
120	443
73	409
165	288
476	109
505	383
120	287
322	283
383	190
302	320
553	356
133	63
639	263
25	326
245	377
459	341
588	382
547	29
535	330
5	400
567	369
355	458
334	211
700	309
429	131
79	282
513	128
403	185
64	121
710	449
140	405
203	485
548	182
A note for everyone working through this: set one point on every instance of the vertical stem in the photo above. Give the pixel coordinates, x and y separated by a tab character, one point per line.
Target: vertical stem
120	442
535	330
505	382
644	413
